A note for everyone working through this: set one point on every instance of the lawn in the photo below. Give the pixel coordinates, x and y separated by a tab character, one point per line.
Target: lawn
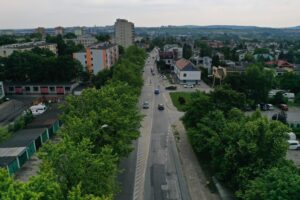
180	99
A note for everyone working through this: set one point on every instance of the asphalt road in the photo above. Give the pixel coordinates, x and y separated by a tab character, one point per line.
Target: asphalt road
164	178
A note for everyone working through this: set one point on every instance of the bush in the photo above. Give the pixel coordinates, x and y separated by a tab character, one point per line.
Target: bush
181	100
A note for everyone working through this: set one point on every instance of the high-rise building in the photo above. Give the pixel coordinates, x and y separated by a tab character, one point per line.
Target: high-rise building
124	32
59	30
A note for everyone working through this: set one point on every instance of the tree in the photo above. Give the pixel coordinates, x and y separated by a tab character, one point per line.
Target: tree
102	78
75	163
103	37
4	134
224	98
215	61
70	36
6	39
280	182
279	98
289	81
187	51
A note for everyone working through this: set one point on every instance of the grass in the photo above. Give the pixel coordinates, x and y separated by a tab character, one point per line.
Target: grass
175	96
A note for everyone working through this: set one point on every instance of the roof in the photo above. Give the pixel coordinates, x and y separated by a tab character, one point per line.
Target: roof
22	138
4	161
11	151
46	119
185	65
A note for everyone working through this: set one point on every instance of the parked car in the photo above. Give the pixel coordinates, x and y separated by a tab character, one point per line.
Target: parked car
156	91
161	107
188	86
145	105
294	144
283	107
171	87
262	106
270	106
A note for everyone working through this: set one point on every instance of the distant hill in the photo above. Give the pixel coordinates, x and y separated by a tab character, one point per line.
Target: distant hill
295	28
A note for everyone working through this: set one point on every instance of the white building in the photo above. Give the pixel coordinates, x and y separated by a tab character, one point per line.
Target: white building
186	72
59	30
85	40
7	50
2	94
124	33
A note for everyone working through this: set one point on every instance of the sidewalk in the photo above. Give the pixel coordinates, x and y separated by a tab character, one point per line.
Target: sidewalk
194	175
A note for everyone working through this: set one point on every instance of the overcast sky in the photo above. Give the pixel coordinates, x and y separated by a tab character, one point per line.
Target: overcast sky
51	13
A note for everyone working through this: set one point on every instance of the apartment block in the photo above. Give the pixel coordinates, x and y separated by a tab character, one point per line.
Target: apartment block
85	40
124	33
7	50
98	57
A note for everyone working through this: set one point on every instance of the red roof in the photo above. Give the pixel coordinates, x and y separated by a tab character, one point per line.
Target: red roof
280	64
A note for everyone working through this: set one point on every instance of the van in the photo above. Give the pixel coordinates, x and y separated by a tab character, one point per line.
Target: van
294	144
38	109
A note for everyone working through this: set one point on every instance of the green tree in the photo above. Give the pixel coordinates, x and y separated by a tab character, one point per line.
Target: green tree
102	78
289	81
103	37
6	39
215	61
187	51
275	183
4	134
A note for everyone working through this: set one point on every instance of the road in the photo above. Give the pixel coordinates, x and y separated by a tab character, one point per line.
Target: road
163	175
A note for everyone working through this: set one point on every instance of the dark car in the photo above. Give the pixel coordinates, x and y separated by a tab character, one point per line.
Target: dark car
156	91
171	87
262	106
161	107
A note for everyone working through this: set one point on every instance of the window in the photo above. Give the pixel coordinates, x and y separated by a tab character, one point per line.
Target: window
52	89
67	88
184	75
35	88
11	88
85	62
27	89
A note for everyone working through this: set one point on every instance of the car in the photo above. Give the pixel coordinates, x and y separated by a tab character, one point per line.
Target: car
283	107
294	144
262	106
188	86
270	106
156	91
161	107
145	105
171	87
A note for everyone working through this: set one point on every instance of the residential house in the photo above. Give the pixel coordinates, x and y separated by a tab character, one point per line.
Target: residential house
205	62
59	30
98	57
186	72
175	49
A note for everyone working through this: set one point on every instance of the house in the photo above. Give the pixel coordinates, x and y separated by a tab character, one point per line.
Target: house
2	94
186	72
178	51
98	57
205	62
280	64
167	57
85	40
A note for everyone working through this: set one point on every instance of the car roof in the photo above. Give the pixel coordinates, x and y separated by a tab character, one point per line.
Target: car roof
293	141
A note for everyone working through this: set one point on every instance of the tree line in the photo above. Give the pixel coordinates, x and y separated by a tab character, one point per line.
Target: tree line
99	127
247	153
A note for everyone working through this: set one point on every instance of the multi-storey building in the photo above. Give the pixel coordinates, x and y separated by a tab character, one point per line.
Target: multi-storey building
98	57
85	40
124	33
7	50
59	30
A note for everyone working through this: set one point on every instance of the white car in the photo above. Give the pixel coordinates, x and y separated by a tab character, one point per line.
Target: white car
294	144
188	86
270	107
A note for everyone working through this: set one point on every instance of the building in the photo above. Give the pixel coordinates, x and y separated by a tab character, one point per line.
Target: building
39	89
7	50
78	31
186	72
124	33
205	62
24	143
281	64
59	30
85	40
98	57
2	94
178	51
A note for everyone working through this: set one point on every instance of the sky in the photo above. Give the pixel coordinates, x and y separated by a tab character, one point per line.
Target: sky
51	13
